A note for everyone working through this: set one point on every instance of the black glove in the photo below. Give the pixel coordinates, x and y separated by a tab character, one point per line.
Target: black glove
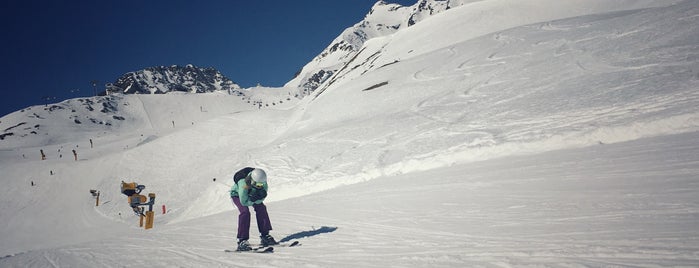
257	194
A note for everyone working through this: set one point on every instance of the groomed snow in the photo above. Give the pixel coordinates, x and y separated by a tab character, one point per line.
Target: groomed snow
565	141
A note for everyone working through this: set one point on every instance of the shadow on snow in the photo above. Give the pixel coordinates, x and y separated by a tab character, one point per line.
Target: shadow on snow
321	230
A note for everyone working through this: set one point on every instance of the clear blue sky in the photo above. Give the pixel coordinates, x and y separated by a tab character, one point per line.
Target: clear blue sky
53	48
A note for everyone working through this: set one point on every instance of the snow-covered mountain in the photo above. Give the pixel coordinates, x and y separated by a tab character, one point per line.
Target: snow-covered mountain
127	103
383	19
498	133
161	79
85	118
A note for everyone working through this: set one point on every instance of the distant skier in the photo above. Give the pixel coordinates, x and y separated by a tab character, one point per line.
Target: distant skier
250	189
43	156
91	143
75	154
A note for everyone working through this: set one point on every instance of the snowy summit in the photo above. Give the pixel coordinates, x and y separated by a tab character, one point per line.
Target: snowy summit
492	133
159	80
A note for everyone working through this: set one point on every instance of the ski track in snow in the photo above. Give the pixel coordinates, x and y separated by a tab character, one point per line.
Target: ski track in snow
476	96
586	207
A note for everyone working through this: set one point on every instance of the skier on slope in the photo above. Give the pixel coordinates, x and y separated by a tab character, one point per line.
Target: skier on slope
250	189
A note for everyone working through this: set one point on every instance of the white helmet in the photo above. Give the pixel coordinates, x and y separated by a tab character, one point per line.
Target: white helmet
258	175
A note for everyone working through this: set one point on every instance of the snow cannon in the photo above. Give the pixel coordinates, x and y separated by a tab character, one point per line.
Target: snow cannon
131	188
137	200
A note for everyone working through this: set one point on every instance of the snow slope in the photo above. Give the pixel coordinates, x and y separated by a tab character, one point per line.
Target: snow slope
564	141
629	204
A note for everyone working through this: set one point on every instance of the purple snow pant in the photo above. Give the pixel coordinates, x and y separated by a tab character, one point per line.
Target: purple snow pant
263	223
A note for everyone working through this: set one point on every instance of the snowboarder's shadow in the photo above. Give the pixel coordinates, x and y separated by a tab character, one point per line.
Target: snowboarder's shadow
321	230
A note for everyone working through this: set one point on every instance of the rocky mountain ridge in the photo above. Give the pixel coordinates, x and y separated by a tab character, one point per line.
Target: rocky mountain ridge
162	79
383	19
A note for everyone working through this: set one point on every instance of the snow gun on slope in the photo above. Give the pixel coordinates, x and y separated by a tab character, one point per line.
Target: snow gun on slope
138	202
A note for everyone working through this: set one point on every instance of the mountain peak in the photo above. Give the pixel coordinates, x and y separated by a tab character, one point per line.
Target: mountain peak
382	20
161	79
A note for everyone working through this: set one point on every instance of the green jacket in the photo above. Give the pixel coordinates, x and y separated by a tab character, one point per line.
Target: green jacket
242	190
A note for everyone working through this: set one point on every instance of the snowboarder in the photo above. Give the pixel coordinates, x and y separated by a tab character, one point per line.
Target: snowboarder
250	189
